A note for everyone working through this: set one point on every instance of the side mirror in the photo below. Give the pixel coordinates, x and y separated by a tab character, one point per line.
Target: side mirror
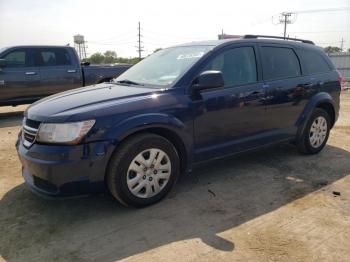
2	63
209	79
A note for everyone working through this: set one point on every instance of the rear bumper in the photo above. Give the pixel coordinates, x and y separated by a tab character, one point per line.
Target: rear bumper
65	171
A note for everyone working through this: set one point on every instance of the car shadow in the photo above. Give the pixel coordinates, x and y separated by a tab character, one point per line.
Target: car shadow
216	197
11	119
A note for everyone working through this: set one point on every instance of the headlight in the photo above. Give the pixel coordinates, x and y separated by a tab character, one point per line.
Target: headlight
66	133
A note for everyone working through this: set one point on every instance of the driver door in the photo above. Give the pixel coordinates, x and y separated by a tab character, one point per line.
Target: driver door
230	119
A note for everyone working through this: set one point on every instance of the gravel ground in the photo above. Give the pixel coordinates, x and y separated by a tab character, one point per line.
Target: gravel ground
274	205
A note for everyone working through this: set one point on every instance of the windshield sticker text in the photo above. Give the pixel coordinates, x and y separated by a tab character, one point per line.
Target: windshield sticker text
190	56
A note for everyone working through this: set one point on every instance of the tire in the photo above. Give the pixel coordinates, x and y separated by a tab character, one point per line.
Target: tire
308	142
130	162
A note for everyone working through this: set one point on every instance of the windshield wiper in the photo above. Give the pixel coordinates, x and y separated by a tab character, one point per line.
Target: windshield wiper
129	82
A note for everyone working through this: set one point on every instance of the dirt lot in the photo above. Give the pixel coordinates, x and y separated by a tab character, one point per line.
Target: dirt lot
274	205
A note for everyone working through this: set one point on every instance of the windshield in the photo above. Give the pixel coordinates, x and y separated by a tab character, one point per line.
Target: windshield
163	67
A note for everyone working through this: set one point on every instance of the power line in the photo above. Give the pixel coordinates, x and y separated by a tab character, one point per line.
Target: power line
329	43
319	32
263	20
322	10
111	43
125	35
150	33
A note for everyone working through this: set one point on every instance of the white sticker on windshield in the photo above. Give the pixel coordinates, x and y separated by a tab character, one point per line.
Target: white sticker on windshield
190	56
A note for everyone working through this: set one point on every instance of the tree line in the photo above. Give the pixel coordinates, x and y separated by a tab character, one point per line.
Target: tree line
110	57
333	49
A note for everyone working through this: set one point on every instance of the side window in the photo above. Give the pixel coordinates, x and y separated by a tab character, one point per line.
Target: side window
314	63
279	62
63	57
237	65
48	58
18	58
55	57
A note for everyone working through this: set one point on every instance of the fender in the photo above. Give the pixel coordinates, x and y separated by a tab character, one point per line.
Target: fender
154	120
316	100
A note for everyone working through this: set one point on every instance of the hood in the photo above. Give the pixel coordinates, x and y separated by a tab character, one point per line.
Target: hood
81	100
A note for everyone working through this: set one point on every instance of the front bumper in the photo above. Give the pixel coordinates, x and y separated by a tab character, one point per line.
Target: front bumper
65	170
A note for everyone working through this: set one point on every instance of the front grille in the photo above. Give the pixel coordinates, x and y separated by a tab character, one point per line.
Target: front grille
31	123
29	131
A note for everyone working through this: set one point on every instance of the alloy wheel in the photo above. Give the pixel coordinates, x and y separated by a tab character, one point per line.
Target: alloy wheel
318	132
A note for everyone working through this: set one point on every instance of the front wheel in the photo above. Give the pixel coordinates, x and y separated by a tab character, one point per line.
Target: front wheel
316	132
143	170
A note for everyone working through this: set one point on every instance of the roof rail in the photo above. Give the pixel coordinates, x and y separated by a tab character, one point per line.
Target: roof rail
278	37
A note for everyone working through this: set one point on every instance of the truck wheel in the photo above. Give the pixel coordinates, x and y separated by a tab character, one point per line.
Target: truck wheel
316	132
143	170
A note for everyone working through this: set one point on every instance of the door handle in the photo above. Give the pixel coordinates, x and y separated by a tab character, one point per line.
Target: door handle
257	92
308	84
71	71
30	73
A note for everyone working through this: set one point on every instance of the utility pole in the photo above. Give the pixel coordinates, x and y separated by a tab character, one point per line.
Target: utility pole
341	44
139	47
291	16
285	19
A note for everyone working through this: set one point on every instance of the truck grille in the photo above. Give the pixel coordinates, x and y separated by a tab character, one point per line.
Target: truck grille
29	131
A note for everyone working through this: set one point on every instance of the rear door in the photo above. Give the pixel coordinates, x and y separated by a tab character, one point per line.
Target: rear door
20	79
58	70
285	89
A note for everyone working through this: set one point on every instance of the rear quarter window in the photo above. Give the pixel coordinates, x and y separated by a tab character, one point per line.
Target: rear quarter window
313	62
279	62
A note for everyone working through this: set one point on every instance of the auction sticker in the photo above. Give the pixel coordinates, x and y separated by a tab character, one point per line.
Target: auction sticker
190	56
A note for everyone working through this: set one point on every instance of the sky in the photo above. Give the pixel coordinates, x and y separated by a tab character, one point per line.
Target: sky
112	24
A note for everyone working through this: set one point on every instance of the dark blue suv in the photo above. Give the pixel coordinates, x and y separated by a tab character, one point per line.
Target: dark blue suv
177	108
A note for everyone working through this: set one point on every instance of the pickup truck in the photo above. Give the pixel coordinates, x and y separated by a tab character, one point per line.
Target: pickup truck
29	73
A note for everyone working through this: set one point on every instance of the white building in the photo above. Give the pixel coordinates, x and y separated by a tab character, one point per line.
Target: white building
342	63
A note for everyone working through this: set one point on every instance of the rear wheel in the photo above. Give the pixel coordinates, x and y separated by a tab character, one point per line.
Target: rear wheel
143	170
316	133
